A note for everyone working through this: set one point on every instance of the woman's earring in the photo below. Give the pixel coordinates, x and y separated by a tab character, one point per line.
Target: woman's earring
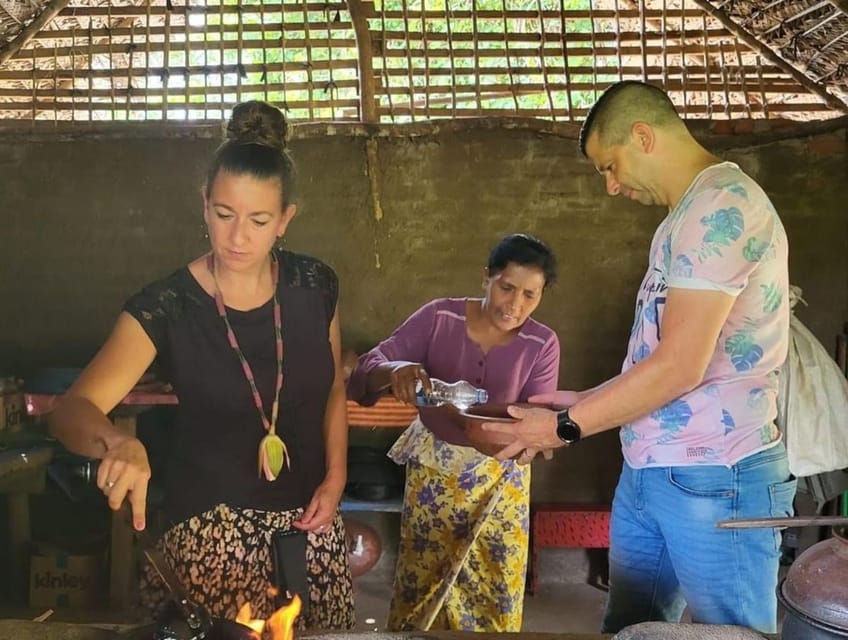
281	240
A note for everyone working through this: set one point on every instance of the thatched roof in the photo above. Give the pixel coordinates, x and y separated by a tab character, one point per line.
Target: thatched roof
400	60
811	35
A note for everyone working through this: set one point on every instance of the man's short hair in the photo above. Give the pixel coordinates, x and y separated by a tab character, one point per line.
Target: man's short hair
620	106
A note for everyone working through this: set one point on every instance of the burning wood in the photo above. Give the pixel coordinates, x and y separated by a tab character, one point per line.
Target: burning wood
282	620
280	626
245	617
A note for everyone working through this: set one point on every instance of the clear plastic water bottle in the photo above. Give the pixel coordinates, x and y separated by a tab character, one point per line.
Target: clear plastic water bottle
460	394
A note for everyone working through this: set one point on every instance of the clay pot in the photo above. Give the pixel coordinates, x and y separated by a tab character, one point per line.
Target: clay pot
363	547
815	591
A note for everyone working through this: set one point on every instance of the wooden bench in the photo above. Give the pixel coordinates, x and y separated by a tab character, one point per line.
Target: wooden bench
386	413
566	525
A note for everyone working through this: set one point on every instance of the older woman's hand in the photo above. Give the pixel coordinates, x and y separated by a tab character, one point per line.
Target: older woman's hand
405	379
528	455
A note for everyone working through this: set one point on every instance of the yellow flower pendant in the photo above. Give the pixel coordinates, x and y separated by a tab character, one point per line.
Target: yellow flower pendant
272	455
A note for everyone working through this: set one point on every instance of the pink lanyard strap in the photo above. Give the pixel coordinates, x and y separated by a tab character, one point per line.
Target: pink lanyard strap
270	427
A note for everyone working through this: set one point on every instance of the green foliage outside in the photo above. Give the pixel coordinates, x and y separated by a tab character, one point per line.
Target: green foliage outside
456	60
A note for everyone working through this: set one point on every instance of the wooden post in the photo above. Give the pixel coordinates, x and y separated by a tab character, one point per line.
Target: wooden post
19	548
367	82
121	554
18	486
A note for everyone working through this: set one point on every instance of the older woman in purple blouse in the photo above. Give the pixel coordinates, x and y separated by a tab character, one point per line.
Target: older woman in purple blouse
465	522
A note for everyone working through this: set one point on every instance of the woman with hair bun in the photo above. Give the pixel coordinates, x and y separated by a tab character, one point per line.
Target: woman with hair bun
248	334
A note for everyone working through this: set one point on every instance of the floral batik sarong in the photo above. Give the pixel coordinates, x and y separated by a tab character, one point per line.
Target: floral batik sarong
464	535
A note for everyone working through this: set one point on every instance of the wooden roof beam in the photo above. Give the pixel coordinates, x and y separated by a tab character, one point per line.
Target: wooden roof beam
360	10
49	12
769	54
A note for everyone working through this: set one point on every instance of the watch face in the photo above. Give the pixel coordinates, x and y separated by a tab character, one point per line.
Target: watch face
567	429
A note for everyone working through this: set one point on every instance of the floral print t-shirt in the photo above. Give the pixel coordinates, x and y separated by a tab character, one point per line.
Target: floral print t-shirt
723	235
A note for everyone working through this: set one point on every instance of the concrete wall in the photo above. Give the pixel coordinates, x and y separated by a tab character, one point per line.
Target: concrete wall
86	220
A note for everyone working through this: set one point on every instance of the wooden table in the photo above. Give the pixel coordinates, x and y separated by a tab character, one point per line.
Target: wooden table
23	470
121	552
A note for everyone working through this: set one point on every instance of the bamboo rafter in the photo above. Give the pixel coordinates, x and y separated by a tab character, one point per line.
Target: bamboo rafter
551	61
745	37
411	60
151	59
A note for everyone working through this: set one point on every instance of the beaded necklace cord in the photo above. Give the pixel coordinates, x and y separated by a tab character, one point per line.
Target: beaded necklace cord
272	450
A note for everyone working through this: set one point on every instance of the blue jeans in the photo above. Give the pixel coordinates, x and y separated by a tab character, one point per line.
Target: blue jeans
666	552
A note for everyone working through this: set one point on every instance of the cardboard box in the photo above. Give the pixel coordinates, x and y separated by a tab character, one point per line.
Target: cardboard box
62	580
12	410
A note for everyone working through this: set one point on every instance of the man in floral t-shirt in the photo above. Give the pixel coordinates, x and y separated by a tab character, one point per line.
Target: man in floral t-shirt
707	243
696	396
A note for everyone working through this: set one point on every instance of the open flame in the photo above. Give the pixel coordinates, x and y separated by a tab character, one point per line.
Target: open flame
280	625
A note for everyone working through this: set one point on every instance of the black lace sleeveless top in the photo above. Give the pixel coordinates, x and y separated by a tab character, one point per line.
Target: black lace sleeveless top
213	453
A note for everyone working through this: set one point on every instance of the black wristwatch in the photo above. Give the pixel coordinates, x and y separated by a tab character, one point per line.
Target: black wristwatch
567	430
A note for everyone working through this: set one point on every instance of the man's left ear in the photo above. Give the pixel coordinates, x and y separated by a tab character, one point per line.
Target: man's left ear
644	136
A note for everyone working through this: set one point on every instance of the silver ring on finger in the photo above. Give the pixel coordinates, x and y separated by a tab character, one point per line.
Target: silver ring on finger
110	484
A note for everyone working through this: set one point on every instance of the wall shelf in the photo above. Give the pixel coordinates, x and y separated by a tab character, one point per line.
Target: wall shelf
392	505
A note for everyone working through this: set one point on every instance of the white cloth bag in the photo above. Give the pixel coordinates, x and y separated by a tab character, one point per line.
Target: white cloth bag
812	403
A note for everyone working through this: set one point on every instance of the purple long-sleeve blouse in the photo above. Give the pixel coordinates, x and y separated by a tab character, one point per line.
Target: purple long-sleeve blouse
436	336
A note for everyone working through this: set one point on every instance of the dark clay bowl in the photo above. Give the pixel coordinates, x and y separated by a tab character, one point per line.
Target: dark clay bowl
490	442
